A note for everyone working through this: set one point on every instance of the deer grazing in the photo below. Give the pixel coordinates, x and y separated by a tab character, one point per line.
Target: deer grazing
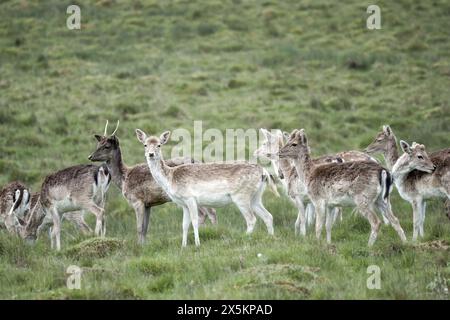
385	143
364	184
136	183
208	184
72	189
14	203
287	173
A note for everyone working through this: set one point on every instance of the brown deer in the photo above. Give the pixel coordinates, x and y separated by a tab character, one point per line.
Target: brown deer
364	184
208	184
136	183
72	189
418	191
34	228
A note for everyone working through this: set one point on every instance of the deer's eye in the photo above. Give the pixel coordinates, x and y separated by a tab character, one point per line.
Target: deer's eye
420	157
145	145
294	144
159	146
107	147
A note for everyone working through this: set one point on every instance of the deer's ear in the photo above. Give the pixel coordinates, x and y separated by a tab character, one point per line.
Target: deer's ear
141	136
164	138
387	130
303	138
99	138
265	133
293	134
405	147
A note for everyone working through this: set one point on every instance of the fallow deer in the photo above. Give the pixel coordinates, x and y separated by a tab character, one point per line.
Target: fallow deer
100	187
293	186
72	189
364	184
14	202
419	177
208	184
385	143
136	183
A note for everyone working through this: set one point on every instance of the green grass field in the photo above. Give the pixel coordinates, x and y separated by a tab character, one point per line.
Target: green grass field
159	65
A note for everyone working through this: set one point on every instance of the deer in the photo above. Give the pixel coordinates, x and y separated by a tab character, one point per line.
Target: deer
14	202
419	177
291	182
365	185
136	183
72	189
385	142
102	181
209	184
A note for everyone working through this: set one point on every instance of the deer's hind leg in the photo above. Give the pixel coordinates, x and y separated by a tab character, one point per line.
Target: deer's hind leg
375	222
55	234
386	209
98	212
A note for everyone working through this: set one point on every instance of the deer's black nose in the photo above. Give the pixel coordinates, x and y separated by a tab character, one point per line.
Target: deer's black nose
151	154
90	157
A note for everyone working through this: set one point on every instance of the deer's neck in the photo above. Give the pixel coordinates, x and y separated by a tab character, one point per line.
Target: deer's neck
161	173
117	168
304	166
400	170
391	154
285	166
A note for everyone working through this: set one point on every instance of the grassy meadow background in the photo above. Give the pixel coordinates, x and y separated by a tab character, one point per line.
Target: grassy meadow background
161	65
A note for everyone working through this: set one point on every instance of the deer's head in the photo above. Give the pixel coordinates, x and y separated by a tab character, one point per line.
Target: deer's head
271	145
296	146
106	145
416	157
152	144
382	141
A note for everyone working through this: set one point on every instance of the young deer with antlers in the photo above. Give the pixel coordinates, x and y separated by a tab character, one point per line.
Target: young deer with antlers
208	184
419	185
294	187
364	184
136	183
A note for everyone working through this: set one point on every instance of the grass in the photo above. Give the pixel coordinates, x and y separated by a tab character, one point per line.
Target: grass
233	64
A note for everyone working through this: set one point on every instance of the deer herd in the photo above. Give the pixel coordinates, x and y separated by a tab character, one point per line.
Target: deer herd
318	187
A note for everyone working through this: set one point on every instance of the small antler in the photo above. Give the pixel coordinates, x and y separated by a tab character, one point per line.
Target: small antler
117	127
106	128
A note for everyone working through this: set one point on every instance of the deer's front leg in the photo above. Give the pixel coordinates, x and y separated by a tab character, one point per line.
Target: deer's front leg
186	224
56	230
417	214
139	209
193	212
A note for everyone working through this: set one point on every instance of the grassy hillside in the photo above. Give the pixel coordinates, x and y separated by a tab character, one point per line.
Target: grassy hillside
233	64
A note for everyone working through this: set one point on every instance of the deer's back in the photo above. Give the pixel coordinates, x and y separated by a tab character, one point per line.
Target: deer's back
73	181
350	178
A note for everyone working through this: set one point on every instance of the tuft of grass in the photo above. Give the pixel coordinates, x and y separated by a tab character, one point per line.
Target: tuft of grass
94	248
